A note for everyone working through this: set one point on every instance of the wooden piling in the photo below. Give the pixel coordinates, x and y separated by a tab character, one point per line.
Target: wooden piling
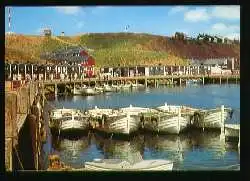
203	80
179	118
220	80
55	89
222	136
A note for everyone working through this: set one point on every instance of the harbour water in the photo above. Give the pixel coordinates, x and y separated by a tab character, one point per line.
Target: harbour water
191	151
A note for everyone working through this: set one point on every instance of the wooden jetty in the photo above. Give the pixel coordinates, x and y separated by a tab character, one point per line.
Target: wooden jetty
23	116
156	79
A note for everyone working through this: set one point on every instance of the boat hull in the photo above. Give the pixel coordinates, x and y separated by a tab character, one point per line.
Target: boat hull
145	165
67	124
90	91
211	119
167	124
120	124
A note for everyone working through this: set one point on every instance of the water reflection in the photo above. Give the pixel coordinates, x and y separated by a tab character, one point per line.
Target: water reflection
128	150
193	151
71	150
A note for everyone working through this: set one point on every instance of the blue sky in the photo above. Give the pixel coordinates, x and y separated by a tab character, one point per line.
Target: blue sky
160	20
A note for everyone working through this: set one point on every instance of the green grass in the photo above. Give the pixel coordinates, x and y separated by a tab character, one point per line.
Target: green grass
110	49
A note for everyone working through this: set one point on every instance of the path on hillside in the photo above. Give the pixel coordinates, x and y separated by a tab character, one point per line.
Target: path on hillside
64	41
69	43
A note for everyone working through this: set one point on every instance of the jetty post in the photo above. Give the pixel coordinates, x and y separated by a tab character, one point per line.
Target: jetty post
220	80
102	122
222	129
55	89
128	120
74	88
180	80
203	80
239	140
179	119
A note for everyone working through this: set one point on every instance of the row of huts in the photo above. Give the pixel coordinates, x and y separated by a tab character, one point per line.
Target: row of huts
65	71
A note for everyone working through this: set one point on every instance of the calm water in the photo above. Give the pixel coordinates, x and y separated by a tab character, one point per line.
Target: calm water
193	151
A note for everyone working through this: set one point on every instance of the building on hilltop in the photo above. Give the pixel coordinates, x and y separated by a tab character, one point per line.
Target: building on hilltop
47	32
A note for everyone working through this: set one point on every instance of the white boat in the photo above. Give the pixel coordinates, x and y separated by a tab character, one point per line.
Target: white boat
107	88
78	90
174	109
99	89
120	123
165	122
58	113
126	86
116	87
211	118
90	91
136	110
123	165
193	81
70	121
137	85
98	112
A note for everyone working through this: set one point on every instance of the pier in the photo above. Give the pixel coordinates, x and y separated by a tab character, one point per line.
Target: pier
23	126
69	84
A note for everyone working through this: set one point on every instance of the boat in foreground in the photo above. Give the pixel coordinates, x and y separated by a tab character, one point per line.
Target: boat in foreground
123	165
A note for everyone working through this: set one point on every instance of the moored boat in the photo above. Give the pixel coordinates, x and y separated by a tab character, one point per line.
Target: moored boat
70	121
90	91
211	118
108	88
58	113
126	86
123	165
170	123
99	89
98	112
136	110
119	123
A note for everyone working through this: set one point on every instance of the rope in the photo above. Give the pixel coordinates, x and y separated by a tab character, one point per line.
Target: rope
19	160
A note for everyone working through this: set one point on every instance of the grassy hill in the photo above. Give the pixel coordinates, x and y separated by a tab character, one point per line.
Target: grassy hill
118	48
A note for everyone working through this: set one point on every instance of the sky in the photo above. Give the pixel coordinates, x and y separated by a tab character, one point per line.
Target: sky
159	20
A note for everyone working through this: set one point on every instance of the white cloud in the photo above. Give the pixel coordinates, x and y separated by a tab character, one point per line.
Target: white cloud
177	9
233	36
223	28
70	10
199	14
226	12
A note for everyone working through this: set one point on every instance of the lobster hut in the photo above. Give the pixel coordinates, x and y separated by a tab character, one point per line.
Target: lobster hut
89	67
